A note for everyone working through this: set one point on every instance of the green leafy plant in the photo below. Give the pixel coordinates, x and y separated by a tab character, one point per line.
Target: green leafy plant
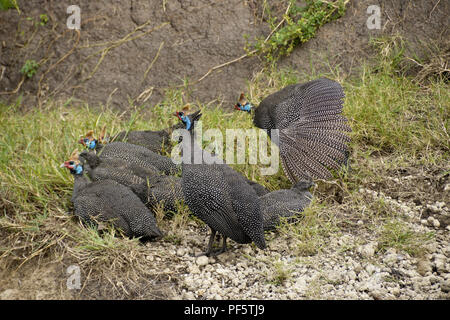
43	19
29	68
9	4
301	24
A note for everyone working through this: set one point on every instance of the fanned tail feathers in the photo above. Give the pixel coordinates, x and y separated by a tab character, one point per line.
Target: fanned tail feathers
316	141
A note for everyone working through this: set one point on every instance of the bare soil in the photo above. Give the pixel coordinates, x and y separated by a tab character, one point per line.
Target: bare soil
135	50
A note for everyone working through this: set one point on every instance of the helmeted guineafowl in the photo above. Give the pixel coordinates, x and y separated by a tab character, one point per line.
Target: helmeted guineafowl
312	131
131	153
285	203
221	198
134	155
107	200
156	141
154	189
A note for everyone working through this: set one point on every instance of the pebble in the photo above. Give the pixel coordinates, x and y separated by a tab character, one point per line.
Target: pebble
370	268
202	260
445	285
181	252
368	250
439	263
424	266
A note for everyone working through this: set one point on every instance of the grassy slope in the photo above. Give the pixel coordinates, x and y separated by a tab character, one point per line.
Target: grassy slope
397	125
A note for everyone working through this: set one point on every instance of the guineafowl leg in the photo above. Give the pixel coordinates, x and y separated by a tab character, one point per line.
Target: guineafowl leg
222	250
224	246
210	244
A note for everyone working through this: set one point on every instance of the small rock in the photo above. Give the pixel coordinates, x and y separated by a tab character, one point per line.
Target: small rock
359	222
368	250
436	223
390	259
433	279
424	222
370	268
430	220
194	269
300	285
423	267
202	261
149	258
439	263
439	205
221	271
445	285
357	268
351	275
9	294
377	294
181	252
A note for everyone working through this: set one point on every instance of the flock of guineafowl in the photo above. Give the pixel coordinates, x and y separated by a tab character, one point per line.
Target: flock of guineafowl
125	178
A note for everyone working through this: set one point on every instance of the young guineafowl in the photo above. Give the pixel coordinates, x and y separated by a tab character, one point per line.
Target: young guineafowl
131	153
312	131
154	189
287	203
220	197
107	200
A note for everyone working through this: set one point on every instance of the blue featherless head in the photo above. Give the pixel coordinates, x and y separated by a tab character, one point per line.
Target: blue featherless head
73	164
243	104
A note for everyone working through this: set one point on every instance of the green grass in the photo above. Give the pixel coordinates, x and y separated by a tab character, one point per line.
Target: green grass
398	235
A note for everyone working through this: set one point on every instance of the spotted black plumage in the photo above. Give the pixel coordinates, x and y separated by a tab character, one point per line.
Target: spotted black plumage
312	131
287	203
222	198
154	190
156	141
107	200
137	156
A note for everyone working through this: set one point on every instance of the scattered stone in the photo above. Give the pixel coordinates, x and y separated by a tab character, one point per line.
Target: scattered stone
391	259
9	294
370	268
440	205
202	261
436	223
351	275
368	250
439	263
445	285
181	252
423	267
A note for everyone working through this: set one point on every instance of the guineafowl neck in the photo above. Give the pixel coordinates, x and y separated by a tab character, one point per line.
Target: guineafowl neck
92	158
191	150
81	181
302	186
